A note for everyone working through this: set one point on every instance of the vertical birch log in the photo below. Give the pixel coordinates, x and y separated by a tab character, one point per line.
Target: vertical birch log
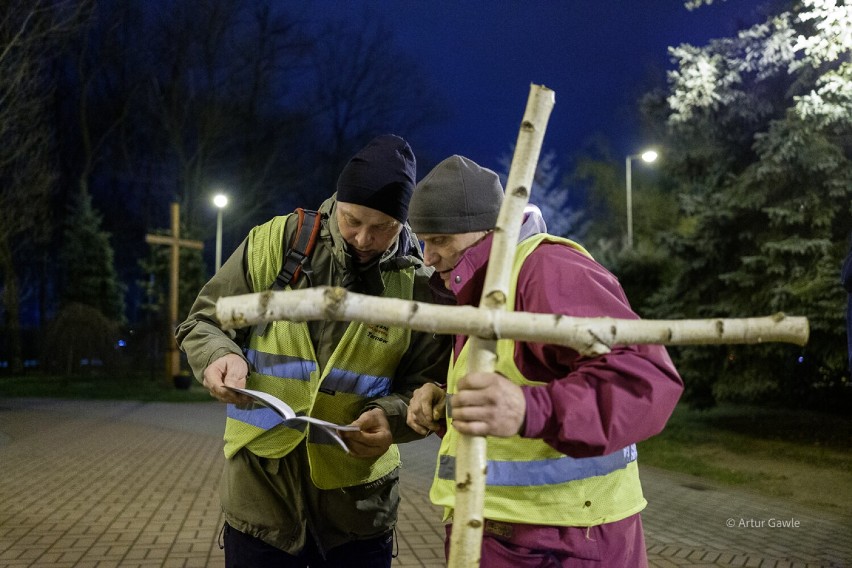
468	521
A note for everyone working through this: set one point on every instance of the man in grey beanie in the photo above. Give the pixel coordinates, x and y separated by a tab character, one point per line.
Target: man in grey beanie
457	204
562	484
457	196
293	498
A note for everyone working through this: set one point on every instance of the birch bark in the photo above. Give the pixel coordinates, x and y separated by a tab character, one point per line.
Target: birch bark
589	336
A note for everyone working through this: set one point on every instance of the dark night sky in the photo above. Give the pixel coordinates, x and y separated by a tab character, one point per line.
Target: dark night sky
599	56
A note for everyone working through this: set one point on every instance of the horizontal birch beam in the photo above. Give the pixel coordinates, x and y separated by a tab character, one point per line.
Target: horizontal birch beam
588	336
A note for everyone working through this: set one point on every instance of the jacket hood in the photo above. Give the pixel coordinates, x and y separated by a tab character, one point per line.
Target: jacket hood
533	223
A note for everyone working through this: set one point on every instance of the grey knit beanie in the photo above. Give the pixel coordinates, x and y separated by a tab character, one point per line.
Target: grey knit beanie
457	196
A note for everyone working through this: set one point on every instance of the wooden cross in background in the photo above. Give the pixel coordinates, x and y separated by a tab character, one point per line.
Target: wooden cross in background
175	242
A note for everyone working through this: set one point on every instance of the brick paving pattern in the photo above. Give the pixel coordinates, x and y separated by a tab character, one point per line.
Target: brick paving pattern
128	484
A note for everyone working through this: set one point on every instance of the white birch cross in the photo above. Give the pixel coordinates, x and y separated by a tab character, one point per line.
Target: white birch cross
491	321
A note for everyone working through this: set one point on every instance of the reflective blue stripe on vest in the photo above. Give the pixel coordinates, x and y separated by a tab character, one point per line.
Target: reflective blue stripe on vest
367	386
283	366
267	418
545	472
260	417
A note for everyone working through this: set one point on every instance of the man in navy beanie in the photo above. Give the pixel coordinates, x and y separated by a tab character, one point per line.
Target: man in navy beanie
293	498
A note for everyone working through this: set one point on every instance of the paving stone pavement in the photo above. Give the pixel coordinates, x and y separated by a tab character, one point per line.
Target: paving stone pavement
130	484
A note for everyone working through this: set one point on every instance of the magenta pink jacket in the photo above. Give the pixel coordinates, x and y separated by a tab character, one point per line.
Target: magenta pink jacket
591	406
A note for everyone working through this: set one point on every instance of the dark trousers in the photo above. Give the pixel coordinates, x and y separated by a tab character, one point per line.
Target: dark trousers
244	551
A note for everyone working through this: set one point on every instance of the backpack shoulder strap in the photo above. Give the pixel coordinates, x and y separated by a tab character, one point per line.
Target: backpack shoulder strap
300	249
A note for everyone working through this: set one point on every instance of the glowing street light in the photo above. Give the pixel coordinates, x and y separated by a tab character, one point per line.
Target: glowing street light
647	156
220	201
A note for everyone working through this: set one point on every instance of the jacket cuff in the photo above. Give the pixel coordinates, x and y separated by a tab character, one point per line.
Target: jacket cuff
396	411
538	409
216	353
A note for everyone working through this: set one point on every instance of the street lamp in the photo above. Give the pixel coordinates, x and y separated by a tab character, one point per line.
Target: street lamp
220	201
647	156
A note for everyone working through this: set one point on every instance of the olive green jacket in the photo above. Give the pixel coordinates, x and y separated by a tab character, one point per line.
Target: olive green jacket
274	499
426	360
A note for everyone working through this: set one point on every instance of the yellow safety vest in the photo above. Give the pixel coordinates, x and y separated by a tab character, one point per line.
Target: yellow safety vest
284	364
527	481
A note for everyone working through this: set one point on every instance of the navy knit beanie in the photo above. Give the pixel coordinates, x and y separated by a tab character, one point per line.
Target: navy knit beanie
457	196
380	176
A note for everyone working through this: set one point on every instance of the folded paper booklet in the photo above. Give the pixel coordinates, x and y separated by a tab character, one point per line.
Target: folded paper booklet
291	420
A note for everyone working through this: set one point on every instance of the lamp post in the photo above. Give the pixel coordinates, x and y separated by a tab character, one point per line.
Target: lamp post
647	156
220	201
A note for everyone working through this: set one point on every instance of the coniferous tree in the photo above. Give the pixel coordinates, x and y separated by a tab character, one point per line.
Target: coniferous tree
759	141
87	261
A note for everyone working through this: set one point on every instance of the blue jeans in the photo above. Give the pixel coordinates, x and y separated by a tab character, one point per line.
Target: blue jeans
245	551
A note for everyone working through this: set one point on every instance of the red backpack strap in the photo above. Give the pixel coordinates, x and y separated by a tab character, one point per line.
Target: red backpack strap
300	249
